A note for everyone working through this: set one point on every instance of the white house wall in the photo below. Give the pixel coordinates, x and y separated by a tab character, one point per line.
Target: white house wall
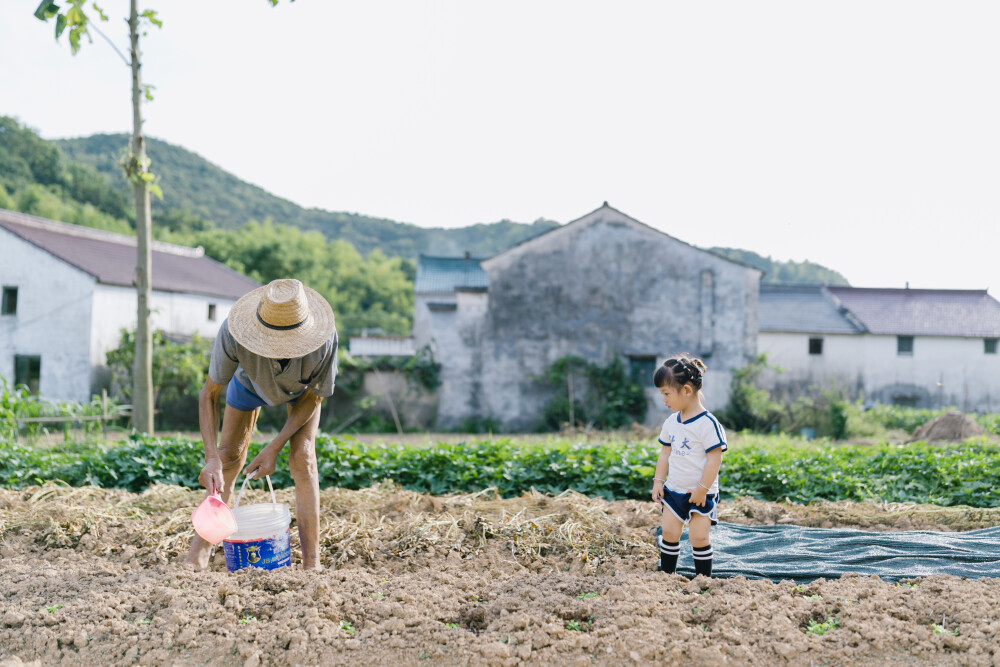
52	320
941	372
173	312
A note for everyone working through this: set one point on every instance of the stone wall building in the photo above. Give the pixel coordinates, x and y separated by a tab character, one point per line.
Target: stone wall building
602	286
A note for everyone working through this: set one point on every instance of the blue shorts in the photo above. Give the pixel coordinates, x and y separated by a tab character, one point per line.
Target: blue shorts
241	398
681	506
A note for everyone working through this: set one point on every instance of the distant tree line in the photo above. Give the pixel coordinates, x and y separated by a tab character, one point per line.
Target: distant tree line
364	266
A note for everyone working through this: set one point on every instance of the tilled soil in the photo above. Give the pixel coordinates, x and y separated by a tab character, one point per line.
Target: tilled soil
90	576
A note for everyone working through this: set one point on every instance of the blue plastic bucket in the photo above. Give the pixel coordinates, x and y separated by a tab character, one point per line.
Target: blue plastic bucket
262	538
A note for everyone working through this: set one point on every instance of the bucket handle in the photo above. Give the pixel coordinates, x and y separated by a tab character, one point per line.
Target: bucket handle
246	479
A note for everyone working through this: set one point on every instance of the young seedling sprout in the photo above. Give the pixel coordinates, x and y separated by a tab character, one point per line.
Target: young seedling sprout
943	629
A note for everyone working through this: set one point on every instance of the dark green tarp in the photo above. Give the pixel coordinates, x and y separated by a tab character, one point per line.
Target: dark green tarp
803	554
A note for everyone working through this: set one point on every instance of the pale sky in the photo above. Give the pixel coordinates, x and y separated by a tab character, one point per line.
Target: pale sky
861	135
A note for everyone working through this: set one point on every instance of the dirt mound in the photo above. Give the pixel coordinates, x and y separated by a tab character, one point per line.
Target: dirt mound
90	577
949	427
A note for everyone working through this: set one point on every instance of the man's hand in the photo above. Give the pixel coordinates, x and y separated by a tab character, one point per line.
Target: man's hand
698	496
263	464
211	475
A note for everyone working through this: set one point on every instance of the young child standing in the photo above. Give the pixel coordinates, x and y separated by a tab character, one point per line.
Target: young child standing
686	482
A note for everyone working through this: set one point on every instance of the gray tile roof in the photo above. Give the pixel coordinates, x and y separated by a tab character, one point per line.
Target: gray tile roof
446	274
110	257
802	309
922	312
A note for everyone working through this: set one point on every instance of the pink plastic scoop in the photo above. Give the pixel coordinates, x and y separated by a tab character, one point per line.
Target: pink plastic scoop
213	520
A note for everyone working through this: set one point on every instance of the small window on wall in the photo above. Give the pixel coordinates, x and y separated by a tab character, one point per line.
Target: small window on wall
904	346
815	346
9	303
27	371
641	369
211	312
990	345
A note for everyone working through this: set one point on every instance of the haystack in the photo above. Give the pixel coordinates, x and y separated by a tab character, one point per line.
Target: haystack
951	426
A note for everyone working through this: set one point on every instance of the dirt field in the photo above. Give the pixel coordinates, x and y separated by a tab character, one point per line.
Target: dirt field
89	577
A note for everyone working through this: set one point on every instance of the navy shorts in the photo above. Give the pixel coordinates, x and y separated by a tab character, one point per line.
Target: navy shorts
241	398
681	506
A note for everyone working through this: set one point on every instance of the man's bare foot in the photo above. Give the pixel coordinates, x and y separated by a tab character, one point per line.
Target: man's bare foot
199	554
312	565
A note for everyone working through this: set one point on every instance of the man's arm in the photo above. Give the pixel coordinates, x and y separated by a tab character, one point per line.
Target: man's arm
208	422
303	409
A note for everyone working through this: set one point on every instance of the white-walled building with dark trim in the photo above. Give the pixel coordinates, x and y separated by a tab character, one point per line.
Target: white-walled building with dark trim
67	292
920	347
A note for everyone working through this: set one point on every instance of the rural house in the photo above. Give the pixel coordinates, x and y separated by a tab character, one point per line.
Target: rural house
924	348
602	286
67	291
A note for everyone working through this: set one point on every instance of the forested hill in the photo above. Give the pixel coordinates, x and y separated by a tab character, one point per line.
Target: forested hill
194	188
784	272
79	181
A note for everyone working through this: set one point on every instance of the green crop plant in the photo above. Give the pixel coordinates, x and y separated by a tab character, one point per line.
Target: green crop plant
574	625
775	468
587	596
247	619
820	629
347	627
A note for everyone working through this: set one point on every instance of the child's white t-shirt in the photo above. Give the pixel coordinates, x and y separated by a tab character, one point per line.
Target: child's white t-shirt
689	442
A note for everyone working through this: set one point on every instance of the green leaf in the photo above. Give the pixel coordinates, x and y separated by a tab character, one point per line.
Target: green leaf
74	40
150	16
46	10
100	12
76	17
60	25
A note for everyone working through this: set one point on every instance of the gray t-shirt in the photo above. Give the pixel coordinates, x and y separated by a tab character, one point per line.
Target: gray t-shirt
316	371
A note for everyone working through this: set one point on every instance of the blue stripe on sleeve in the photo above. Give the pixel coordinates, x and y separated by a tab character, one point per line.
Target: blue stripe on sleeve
718	434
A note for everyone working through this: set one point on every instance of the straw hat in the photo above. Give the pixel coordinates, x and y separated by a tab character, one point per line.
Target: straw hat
281	320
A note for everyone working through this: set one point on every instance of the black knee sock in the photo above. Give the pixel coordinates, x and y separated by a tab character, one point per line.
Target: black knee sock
668	555
702	560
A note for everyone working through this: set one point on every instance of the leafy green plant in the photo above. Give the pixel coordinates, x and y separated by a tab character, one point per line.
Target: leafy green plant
179	371
587	596
574	625
603	395
247	619
347	627
764	467
820	629
18	403
751	407
453	626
